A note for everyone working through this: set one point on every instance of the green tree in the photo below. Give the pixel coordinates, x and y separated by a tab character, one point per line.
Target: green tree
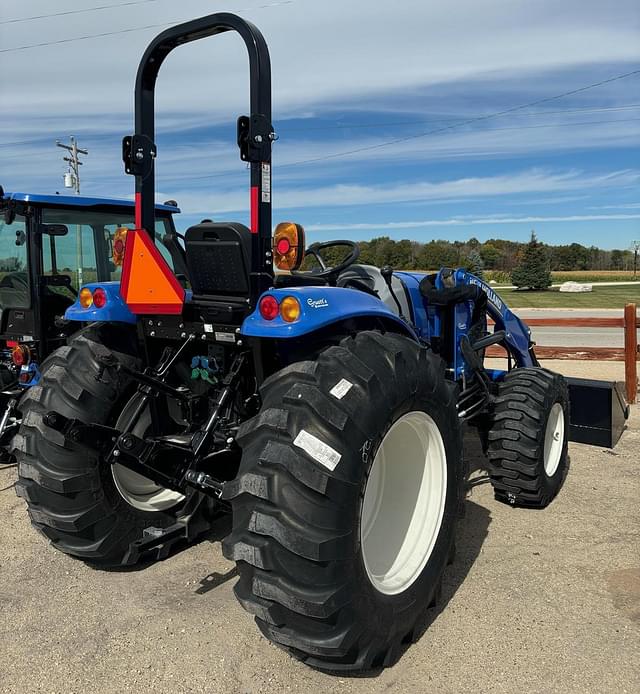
474	264
617	259
437	254
533	271
490	255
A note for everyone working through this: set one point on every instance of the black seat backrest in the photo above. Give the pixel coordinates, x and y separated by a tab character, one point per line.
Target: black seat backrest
219	258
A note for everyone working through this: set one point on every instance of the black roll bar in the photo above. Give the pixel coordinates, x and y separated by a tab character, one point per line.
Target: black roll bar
255	133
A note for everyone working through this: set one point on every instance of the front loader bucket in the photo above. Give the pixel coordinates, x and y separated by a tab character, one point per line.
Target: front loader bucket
598	411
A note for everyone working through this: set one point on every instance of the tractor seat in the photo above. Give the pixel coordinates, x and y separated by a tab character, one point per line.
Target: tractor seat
368	278
218	259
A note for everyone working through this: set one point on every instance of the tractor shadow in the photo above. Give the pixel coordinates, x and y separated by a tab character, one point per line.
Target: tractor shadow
471	532
215	580
220	528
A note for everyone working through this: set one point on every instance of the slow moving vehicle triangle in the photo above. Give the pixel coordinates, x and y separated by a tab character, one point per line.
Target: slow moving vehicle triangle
148	284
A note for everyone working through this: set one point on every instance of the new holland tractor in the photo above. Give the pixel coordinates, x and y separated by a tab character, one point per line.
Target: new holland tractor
323	408
49	245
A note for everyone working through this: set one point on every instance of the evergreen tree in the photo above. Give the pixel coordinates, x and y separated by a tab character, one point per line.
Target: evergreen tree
474	263
533	270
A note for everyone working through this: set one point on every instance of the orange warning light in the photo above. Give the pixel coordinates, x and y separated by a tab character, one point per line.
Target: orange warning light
148	285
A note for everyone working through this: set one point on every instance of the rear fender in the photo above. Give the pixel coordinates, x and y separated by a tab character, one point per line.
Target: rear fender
321	307
114	311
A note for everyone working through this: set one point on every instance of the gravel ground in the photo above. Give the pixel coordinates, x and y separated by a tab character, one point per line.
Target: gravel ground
545	601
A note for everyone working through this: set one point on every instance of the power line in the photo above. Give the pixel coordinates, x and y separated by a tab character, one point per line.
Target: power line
469	121
132	29
68	12
485	130
397	124
521	127
394	123
82	38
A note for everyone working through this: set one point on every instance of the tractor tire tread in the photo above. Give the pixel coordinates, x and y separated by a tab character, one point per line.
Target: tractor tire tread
516	439
292	563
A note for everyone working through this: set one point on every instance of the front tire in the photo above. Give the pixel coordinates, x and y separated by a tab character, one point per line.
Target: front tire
346	501
83	506
528	439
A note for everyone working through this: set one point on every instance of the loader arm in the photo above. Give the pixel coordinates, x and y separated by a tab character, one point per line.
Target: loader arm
517	333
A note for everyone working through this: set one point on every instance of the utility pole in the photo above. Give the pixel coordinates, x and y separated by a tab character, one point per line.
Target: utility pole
72	180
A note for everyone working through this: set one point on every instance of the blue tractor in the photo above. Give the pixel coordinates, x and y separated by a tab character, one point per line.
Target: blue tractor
49	246
324	408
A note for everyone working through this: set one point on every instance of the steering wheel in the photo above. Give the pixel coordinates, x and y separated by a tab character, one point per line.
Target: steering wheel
16	280
59	281
315	249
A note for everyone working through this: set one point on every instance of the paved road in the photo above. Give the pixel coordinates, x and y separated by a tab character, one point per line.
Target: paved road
536	601
569	312
593	284
578	337
574	337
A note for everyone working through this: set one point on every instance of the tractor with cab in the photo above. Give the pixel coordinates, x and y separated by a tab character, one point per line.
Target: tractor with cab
323	408
50	245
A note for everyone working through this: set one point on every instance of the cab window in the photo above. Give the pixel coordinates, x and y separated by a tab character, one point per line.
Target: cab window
84	253
14	277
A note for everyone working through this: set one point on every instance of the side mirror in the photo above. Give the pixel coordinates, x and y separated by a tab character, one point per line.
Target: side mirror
54	229
288	246
21	237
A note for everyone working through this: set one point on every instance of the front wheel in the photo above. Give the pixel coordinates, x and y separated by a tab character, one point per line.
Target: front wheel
528	439
346	501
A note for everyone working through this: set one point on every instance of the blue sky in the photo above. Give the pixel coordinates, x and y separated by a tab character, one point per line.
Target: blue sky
351	76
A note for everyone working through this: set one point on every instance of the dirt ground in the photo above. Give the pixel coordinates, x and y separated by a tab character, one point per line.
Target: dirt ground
545	601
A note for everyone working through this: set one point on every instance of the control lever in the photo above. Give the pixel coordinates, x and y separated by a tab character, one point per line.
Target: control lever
387	273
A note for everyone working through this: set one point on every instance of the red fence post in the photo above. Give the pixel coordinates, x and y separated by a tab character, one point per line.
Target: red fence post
630	352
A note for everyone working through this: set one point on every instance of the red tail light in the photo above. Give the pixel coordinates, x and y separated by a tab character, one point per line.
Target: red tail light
268	307
99	297
20	355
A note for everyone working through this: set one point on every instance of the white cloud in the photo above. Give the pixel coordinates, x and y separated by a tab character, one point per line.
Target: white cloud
454	59
328	52
515	183
622	206
464	221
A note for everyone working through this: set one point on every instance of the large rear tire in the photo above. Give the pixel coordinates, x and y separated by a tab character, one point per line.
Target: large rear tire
528	438
76	500
346	501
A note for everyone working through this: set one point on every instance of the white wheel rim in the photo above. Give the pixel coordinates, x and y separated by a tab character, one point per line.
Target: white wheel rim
403	503
554	439
137	490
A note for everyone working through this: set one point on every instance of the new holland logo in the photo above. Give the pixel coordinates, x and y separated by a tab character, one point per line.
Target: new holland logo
317	303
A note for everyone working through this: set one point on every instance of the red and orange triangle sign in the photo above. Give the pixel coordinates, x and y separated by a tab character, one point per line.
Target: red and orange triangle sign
148	285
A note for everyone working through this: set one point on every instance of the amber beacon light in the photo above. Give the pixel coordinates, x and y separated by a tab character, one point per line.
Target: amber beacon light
288	246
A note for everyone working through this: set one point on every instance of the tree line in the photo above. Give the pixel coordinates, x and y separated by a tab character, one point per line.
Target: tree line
493	254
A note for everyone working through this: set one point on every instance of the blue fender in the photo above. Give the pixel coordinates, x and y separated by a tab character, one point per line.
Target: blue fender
319	308
114	311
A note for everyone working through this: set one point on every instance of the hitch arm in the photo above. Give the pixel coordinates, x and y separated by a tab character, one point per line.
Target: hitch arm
116	447
94	436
